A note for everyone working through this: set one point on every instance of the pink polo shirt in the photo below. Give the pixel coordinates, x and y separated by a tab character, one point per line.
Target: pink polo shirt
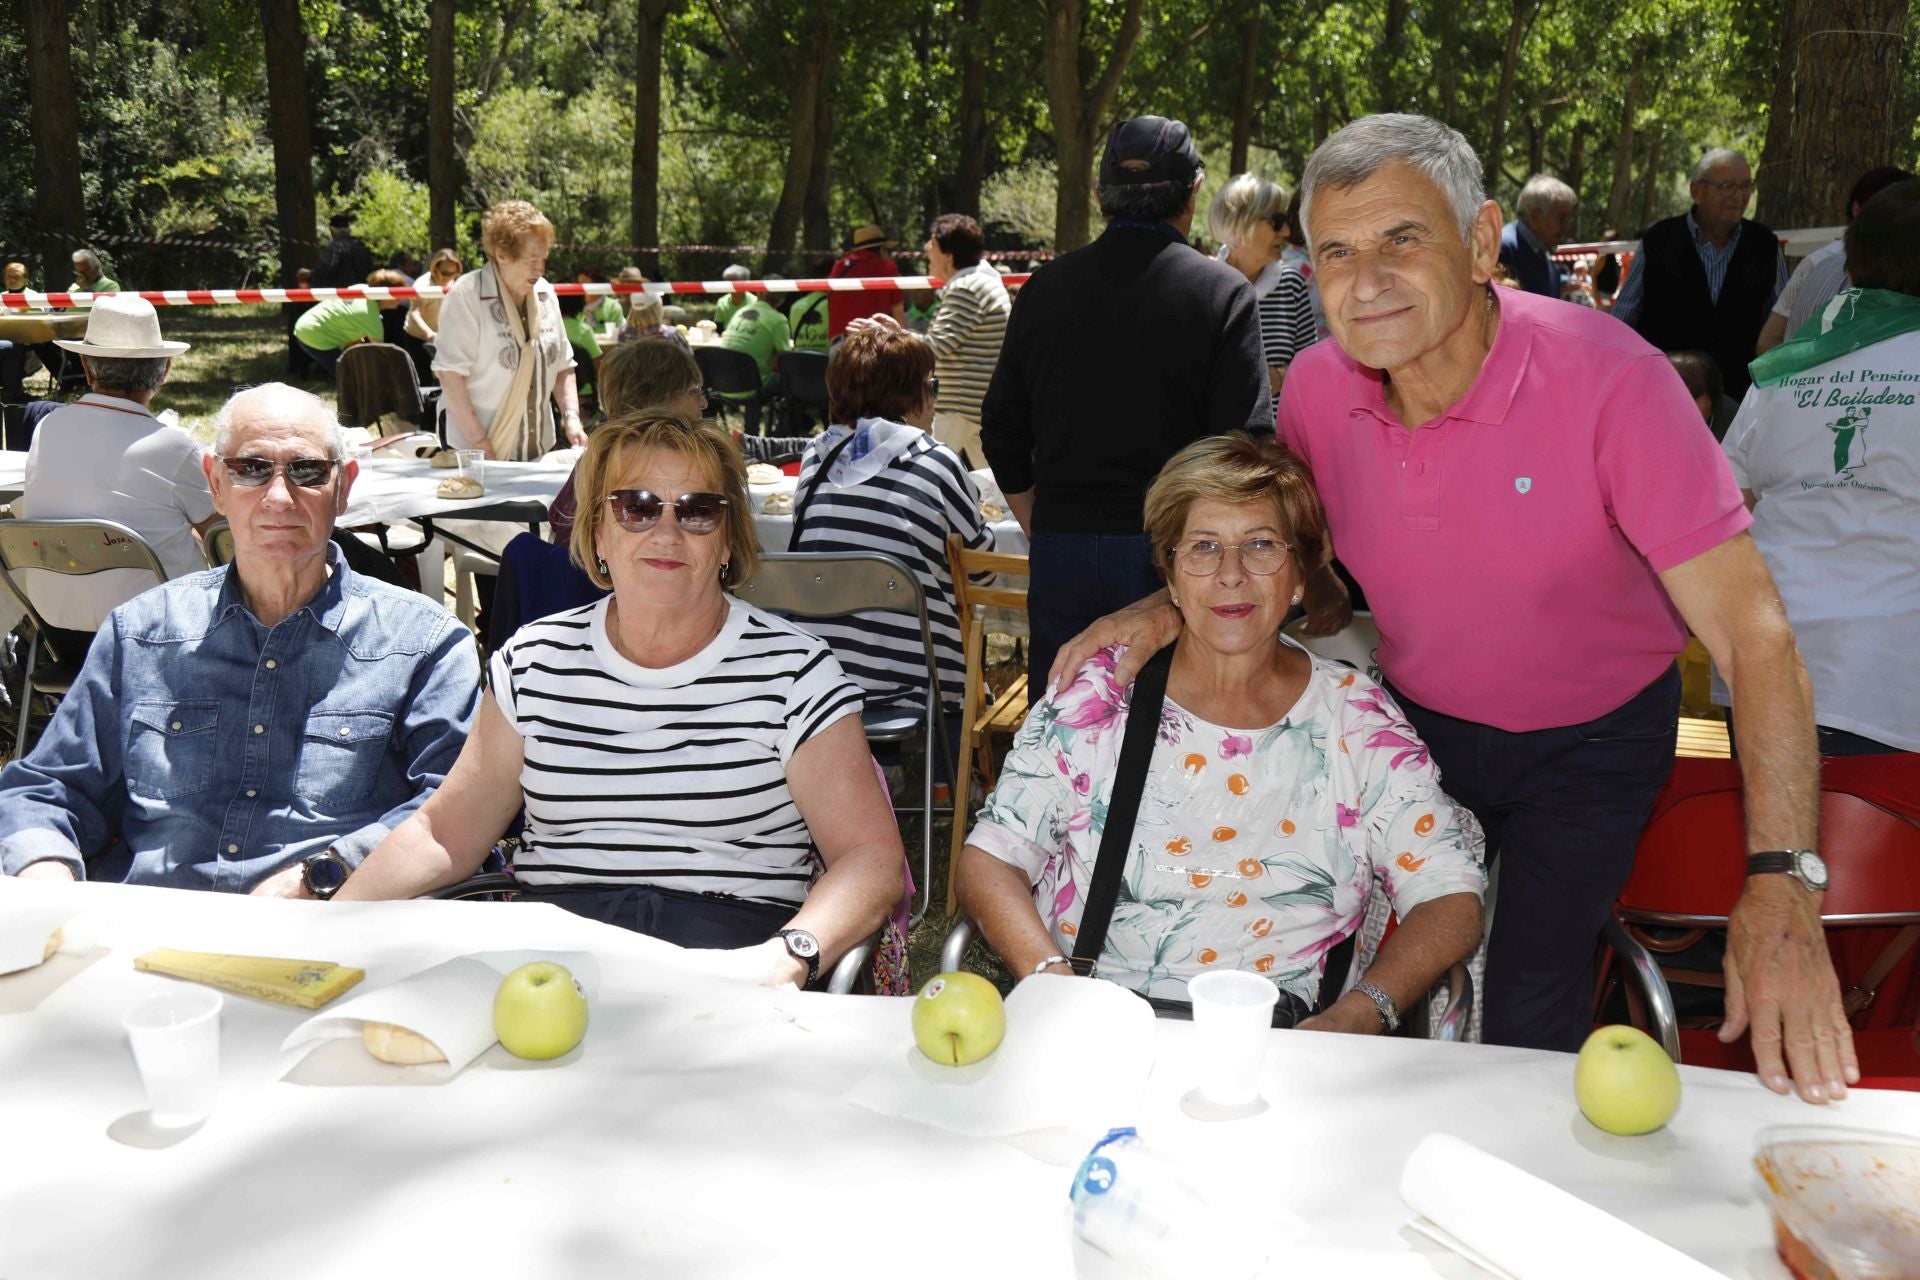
1509	548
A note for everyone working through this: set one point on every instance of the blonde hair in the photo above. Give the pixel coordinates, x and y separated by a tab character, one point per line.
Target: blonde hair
699	440
1246	201
506	226
645	311
445	255
1237	468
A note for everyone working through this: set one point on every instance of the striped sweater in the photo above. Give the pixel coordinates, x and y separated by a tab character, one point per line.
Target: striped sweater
966	334
899	492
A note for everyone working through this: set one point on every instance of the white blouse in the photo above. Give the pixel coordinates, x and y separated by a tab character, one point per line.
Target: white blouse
476	342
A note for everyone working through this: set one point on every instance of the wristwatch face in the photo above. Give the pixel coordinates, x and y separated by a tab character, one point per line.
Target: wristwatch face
801	944
1812	868
324	874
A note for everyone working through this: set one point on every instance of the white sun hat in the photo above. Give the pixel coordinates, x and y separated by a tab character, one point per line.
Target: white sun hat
123	327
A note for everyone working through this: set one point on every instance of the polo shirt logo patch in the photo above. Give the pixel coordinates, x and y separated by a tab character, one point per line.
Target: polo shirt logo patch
1522	483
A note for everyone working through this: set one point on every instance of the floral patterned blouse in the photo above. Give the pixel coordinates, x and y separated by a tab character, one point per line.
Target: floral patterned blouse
1255	849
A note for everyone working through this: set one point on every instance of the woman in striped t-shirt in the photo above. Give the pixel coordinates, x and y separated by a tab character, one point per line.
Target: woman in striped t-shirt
1249	218
681	755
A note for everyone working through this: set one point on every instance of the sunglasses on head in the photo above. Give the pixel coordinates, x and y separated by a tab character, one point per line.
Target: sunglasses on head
307	473
638	510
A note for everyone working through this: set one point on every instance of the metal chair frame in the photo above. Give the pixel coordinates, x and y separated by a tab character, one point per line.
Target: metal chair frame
73	548
837	583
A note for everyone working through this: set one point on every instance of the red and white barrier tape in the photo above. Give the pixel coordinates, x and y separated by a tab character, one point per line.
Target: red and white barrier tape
32	301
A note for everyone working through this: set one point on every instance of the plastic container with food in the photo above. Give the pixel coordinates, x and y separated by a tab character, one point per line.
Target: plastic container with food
1846	1202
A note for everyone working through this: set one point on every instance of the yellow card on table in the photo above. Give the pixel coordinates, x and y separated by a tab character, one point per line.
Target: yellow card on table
306	983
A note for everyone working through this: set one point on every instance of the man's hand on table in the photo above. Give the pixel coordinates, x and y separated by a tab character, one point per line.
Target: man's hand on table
1781	990
47	869
1145	628
288	882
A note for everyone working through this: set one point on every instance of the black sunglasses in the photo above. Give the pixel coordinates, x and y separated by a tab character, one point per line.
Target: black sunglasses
638	510
307	473
1278	221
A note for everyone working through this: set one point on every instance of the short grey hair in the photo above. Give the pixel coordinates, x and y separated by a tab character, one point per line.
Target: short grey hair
736	271
308	408
118	373
1243	204
92	260
1369	144
1713	159
1544	191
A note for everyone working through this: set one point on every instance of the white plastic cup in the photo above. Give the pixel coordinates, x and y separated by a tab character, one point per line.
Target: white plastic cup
1232	1014
471	464
176	1045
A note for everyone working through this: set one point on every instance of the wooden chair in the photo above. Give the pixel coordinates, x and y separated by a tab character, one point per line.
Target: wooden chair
983	715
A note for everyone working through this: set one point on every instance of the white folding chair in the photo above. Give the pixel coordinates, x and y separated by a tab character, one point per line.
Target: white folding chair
1356	645
832	584
70	548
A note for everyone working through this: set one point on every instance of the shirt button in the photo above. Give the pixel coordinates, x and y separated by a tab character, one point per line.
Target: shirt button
177	725
233	848
344	731
259	728
271	664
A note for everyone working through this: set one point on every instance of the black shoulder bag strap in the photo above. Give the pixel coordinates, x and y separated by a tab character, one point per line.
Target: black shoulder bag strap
1123	806
806	499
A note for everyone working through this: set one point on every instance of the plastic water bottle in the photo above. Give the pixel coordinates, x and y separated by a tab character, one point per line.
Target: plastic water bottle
1137	1206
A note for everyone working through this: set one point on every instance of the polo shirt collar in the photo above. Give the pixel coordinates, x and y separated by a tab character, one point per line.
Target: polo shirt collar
114	404
328	606
1491	396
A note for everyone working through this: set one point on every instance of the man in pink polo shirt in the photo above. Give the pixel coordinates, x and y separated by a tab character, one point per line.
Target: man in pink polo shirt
1537	514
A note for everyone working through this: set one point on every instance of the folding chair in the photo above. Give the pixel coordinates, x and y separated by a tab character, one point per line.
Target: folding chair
733	382
216	544
71	548
803	377
1451	1025
376	378
832	584
983	715
1690	869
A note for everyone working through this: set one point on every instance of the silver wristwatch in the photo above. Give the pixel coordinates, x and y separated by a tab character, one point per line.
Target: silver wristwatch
1389	1011
1804	865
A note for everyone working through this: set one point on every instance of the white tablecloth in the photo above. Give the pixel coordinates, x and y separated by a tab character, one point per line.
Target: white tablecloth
390	490
13	473
701	1131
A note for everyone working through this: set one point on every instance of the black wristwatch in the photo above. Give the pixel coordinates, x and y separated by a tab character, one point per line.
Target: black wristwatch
324	873
802	945
1804	865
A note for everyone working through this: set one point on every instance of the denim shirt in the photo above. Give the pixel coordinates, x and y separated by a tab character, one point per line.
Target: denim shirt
201	749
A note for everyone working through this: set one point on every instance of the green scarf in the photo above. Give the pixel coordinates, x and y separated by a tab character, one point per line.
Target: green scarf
1855	319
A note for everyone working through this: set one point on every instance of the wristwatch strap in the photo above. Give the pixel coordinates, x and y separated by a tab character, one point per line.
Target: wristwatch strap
1775	860
1388	1010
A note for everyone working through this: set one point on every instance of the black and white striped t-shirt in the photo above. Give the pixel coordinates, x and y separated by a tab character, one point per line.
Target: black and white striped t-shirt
966	334
1286	315
674	777
904	508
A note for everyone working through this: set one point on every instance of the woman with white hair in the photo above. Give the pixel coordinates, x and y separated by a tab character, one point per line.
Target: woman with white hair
1249	219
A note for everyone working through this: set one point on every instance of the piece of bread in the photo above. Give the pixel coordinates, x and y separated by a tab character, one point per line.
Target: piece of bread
460	487
401	1047
764	473
53	945
778	504
445	458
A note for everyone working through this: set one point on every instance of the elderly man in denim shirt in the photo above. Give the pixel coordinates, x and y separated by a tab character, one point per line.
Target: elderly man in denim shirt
258	728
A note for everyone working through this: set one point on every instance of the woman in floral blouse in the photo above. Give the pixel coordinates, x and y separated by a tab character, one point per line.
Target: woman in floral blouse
1283	788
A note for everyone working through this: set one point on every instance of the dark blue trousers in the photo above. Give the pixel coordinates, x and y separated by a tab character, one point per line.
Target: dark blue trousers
1563	809
1077	579
673	915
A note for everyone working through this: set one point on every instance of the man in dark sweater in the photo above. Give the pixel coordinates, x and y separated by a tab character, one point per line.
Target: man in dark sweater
1705	281
1117	356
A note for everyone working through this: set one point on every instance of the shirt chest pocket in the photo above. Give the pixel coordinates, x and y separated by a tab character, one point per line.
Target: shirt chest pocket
340	755
171	748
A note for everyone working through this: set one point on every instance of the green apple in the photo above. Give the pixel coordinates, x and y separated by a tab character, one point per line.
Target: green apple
540	1010
958	1018
1625	1082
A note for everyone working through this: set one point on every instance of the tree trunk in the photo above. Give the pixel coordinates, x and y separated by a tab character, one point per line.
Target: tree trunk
1774	175
286	50
1503	98
803	111
1249	88
1623	145
972	169
59	203
650	23
1389	56
1577	171
1077	108
442	185
1846	71
816	209
1652	185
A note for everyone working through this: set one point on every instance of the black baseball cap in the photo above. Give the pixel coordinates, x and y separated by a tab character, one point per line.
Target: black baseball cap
1148	149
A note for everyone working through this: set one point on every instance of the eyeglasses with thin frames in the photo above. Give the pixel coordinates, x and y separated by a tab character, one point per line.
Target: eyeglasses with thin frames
305	473
1261	557
1730	188
638	510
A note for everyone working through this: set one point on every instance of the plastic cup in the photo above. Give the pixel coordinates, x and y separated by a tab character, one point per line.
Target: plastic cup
471	464
1232	1014
176	1045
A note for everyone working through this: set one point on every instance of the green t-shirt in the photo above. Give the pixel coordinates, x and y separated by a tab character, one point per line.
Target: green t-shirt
608	311
104	284
808	320
580	334
729	304
759	330
340	322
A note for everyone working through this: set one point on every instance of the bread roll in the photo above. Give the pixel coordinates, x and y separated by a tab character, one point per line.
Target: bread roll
444	457
460	487
398	1045
53	945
